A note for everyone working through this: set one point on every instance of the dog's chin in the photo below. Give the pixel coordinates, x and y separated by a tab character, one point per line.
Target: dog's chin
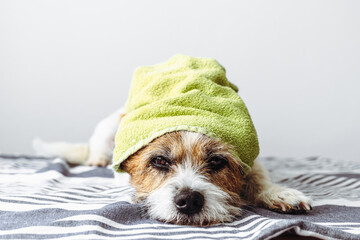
191	220
200	219
204	218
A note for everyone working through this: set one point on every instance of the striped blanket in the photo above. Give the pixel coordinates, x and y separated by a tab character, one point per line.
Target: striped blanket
44	198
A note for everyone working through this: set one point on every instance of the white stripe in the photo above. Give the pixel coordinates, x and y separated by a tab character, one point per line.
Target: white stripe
296	183
279	232
101	193
43	177
77	191
80	229
33	204
357	184
235	223
263	228
118	190
350	228
17	171
95	198
338	180
4	206
306	233
353	231
28	200
44	201
329	178
59	196
144	236
301	178
81	169
47	198
75	196
351	180
92	217
132	231
52	180
338	223
314	178
338	201
325	193
81	187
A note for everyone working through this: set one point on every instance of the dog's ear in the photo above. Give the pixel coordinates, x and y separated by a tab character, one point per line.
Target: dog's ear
129	165
123	166
132	163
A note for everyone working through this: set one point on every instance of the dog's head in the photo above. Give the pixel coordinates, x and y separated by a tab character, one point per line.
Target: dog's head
187	178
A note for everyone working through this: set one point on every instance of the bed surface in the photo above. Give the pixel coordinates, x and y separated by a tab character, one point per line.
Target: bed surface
42	198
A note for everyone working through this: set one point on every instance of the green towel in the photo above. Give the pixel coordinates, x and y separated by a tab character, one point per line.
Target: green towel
185	93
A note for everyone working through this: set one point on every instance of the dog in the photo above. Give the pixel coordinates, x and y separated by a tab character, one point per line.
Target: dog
184	177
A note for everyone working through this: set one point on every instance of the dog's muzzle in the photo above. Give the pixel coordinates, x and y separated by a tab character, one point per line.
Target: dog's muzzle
189	202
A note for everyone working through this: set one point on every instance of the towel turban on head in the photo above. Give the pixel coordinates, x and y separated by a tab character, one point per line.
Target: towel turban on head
185	93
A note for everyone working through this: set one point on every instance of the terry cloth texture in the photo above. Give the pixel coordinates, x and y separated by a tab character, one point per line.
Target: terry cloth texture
185	93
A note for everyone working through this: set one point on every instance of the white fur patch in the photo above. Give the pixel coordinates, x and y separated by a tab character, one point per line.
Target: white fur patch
190	139
216	207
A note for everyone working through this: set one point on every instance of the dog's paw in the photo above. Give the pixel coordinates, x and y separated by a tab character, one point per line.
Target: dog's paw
98	161
284	200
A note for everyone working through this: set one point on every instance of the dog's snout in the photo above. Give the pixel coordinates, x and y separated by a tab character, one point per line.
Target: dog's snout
189	202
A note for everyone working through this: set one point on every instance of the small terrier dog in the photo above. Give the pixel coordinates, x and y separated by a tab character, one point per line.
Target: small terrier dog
184	177
168	142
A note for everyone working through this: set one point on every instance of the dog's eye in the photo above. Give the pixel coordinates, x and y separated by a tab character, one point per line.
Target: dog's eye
216	163
160	163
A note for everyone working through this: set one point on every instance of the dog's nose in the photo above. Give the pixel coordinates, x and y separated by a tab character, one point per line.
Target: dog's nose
189	202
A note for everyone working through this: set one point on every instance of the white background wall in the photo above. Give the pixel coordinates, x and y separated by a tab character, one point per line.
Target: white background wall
66	64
